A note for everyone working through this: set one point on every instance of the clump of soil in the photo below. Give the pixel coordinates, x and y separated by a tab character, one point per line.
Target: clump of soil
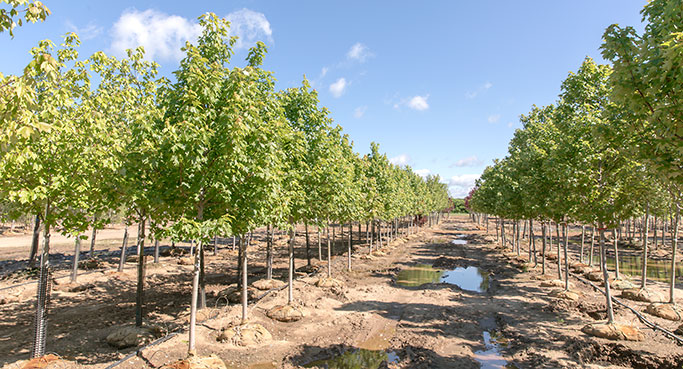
614	332
196	362
249	334
642	294
285	313
665	310
268	284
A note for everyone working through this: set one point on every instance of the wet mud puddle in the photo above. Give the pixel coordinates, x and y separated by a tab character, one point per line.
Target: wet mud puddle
370	354
468	278
357	359
459	240
490	357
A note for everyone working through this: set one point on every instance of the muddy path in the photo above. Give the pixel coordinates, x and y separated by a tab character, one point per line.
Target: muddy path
392	310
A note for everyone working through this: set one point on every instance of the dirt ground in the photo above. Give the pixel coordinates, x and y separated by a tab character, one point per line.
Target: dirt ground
435	325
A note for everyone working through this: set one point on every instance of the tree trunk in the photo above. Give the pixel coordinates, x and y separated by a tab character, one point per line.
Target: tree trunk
616	253
193	305
77	254
139	293
34	242
124	246
543	227
202	275
643	277
674	251
559	258
92	238
320	247
566	257
290	263
349	256
532	243
605	276
583	240
156	251
215	245
244	244
308	245
43	293
269	252
592	254
329	253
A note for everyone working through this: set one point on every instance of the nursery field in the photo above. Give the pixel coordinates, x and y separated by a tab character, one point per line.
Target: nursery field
447	296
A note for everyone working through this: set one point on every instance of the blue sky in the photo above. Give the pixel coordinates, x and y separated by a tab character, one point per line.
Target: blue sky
439	84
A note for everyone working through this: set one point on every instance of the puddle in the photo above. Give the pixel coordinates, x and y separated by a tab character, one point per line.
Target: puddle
659	270
490	357
469	278
459	242
357	359
418	275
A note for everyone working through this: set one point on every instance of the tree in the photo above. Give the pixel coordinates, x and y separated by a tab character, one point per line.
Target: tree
50	165
16	12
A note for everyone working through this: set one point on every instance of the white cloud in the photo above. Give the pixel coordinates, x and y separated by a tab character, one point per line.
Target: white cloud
324	71
481	89
337	88
459	186
494	118
470	161
418	102
162	35
359	111
90	31
249	26
423	172
400	160
358	52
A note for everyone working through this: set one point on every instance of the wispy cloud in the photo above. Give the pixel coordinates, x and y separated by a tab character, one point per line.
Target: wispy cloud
162	35
470	161
400	160
359	112
249	26
416	103
459	186
88	32
494	118
481	89
337	88
358	52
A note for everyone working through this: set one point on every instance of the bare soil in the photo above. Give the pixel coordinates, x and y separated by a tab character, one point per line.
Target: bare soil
436	325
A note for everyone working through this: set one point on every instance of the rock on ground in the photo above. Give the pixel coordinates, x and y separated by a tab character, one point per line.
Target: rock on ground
249	334
268	284
285	313
644	295
567	295
613	331
665	310
328	282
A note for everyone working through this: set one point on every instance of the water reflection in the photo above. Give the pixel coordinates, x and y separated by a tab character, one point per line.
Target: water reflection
469	278
356	359
658	270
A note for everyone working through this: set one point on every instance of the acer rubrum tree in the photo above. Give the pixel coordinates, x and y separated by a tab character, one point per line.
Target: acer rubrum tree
646	81
220	148
53	154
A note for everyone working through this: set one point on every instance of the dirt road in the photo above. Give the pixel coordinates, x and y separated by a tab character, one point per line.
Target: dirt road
493	313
